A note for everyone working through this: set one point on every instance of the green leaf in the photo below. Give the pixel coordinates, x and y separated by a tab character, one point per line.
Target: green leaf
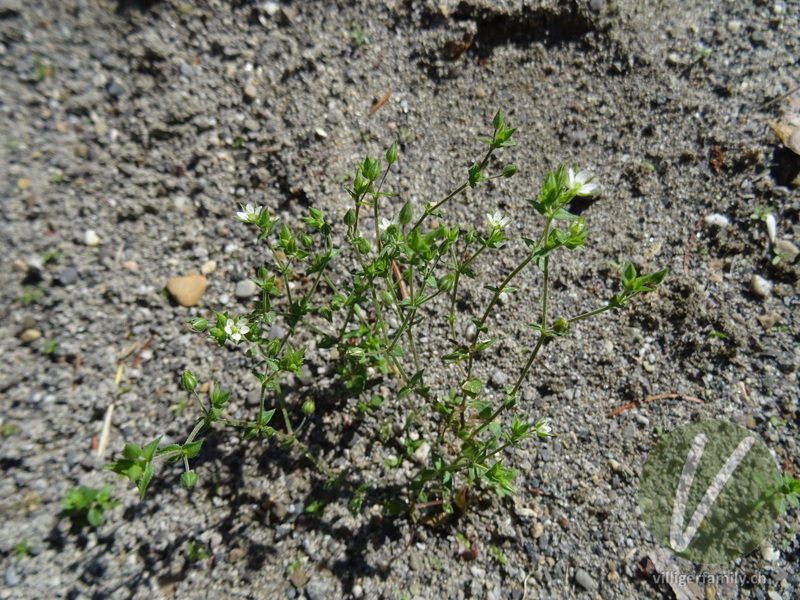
149	451
131	451
485	344
472	387
563	215
628	274
191	449
483	407
406	213
147	475
266	417
95	516
396	351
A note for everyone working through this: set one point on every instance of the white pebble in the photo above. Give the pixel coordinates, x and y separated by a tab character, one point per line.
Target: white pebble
717	220
735	26
761	286
209	267
772	227
770	554
321	132
90	238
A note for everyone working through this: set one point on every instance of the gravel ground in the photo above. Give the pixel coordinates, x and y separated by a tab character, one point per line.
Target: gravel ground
133	130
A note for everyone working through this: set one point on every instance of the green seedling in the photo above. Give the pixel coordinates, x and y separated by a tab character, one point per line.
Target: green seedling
86	506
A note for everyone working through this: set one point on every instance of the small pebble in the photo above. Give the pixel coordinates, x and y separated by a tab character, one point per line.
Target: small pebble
786	250
81	150
421	454
321	132
773	595
187	70
499	377
735	26
271	8
586	581
250	91
23	183
758	38
537	530
772	227
717	220
90	238
674	59
115	88
245	289
11	578
298	578
209	267
130	265
68	276
769	320
770	554
597	5
187	290
761	286
30	335
181	203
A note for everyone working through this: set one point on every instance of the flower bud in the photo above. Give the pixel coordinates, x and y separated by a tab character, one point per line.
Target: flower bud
497	122
386	298
561	326
198	324
362	245
308	407
371	168
445	284
188	479
510	170
406	213
350	218
188	381
391	154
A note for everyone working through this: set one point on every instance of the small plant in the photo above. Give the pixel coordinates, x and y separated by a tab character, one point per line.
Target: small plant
50	346
409	266
22	549
85	506
30	294
51	256
781	256
357	38
760	213
782	492
41	69
498	554
8	429
195	552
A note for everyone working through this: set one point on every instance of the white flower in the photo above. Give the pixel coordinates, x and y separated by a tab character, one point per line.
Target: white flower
497	220
581	183
543	427
236	329
385	223
249	213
